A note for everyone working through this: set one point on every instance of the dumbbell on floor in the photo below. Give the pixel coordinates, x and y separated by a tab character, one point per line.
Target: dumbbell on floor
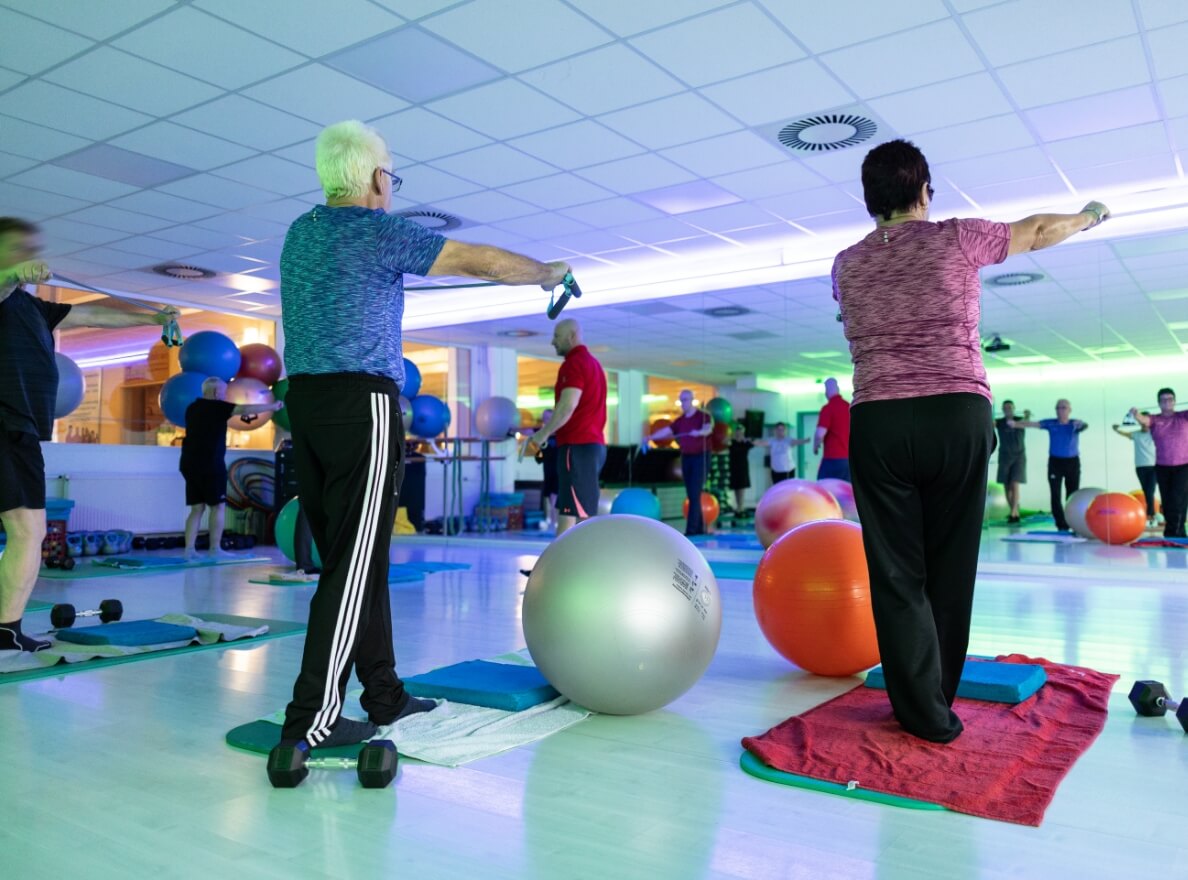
288	765
1150	698
63	616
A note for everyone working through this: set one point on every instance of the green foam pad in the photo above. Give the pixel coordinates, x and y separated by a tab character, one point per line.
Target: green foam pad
987	680
753	766
483	683
259	737
128	633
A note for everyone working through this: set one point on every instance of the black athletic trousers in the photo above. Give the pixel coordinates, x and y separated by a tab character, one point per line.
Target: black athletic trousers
1173	492
920	469
693	469
348	447
1147	479
1067	470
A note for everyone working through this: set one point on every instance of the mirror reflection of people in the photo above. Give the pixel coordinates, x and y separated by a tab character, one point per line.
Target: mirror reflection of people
1144	465
740	465
832	437
1064	456
1012	457
547	456
1169	430
691	430
779	448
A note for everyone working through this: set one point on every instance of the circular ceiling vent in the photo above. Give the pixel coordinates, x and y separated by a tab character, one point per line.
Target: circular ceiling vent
517	334
726	311
438	221
1014	279
827	131
183	272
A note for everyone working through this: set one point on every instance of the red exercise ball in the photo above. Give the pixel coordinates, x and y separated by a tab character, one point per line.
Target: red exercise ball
259	361
812	599
791	503
1117	518
709	508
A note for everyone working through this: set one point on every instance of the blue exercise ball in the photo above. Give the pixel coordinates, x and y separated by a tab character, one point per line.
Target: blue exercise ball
412	380
638	502
211	354
178	393
71	386
429	416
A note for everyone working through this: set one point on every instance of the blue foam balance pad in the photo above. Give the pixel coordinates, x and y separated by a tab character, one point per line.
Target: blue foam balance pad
128	633
987	680
483	683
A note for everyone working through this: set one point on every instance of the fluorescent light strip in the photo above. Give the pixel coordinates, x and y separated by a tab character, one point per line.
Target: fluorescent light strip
128	357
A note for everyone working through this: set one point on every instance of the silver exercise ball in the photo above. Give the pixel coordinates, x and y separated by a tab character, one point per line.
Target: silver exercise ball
405	411
1077	506
496	417
622	614
606	500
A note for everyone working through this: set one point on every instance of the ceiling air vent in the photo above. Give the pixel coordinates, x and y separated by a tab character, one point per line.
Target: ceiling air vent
725	311
1015	279
183	272
827	131
438	221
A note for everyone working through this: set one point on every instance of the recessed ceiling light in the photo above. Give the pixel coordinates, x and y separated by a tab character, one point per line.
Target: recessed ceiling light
725	311
517	334
1015	279
816	355
183	272
1030	359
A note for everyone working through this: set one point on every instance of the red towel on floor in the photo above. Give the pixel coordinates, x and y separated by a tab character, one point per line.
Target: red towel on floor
1006	765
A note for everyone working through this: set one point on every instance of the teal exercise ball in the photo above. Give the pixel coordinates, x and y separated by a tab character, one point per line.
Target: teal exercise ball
721	410
280	418
637	502
286	531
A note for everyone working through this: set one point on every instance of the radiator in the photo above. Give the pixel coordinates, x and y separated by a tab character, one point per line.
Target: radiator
138	502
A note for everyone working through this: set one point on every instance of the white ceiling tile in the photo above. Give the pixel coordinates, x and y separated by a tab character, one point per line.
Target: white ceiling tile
606	79
115	163
1078	73
199	237
414	9
728	218
132	82
517	42
325	96
72	230
1001	167
212	50
495	165
244	226
1126	175
1167	50
592	242
757	183
782	93
878	68
1025	29
45	104
636	174
654	231
949	103
611	212
272	174
577	145
218	191
726	153
557	191
685	197
627	17
1033	190
112	258
504	109
36	203
312	27
9	78
422	135
809	203
980	138
36	141
719	45
779	235
703	247
1158	13
159	204
838	23
1119	109
157	248
1110	146
231	263
31	46
73	183
10	164
487	207
426	185
248	122
114	218
99	21
183	146
1179	131
670	121
1175	95
839	166
543	226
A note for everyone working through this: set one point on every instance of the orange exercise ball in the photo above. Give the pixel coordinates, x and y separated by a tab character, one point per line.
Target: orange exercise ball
791	503
1142	499
709	508
812	599
1117	518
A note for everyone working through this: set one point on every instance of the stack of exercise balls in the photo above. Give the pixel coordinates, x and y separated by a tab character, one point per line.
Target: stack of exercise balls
426	416
248	372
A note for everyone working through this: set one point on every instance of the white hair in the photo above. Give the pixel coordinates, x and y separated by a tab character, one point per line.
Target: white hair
347	155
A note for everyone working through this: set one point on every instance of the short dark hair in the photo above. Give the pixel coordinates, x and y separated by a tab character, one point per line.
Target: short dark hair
779	425
16	224
892	177
1011	402
1163	391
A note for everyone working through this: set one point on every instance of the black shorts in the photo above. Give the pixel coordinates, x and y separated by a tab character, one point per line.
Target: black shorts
22	471
578	467
550	471
1012	469
205	487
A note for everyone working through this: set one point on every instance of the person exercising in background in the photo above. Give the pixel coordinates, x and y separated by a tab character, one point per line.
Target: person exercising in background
740	465
203	464
779	449
579	424
1144	464
1169	430
833	433
547	456
691	430
1064	455
1012	457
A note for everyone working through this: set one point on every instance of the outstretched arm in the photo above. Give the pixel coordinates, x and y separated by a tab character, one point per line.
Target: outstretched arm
93	315
1041	231
1139	417
495	264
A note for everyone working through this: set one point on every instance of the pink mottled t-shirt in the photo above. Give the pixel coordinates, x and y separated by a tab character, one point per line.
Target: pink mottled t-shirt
910	301
1170	434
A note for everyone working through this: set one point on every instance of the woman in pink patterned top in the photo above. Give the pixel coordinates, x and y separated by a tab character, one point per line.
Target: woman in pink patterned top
1169	430
921	424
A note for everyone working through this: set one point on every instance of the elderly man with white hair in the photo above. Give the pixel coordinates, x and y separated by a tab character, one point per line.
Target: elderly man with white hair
203	465
342	299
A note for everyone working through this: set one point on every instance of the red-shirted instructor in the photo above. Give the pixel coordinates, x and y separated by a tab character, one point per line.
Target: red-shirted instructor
578	422
692	429
833	432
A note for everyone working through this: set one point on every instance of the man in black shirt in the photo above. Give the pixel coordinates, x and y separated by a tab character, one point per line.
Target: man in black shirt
1012	457
204	449
28	389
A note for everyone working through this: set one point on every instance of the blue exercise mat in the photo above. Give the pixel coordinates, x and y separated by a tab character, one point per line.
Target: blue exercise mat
987	680
738	571
483	683
128	633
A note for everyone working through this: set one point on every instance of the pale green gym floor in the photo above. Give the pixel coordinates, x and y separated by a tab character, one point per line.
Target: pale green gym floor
123	772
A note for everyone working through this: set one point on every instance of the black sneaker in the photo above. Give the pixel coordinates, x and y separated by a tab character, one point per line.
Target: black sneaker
1013	520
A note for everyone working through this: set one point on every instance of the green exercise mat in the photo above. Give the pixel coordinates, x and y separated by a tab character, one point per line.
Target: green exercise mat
34	606
754	767
110	566
259	737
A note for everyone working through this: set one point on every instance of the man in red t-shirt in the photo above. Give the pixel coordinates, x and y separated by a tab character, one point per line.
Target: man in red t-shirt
833	430
578	422
692	429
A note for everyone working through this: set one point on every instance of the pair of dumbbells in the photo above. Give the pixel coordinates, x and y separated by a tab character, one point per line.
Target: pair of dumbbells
63	616
1151	699
288	765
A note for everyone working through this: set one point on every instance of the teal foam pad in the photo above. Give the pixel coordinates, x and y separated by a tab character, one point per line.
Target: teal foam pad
987	680
738	571
128	633
483	683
